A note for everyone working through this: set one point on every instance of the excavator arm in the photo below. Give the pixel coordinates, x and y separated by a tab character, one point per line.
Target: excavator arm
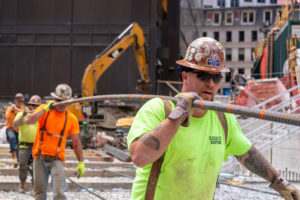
132	35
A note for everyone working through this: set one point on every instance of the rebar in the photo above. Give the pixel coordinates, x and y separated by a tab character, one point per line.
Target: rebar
281	117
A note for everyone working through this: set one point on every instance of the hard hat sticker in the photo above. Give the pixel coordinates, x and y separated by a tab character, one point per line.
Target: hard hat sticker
198	56
214	61
190	53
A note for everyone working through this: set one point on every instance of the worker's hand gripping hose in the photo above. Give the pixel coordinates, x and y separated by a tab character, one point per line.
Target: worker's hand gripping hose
184	106
49	106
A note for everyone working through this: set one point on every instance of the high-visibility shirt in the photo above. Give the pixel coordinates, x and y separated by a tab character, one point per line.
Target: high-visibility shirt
193	158
10	115
27	132
54	125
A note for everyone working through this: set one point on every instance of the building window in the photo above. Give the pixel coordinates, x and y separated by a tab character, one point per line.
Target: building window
267	16
208	16
251	17
228	76
241	36
228	36
234	3
241	71
244	17
207	6
204	34
273	1
241	54
248	0
252	52
254	36
261	1
229	18
236	14
221	3
216	36
228	52
248	17
216	18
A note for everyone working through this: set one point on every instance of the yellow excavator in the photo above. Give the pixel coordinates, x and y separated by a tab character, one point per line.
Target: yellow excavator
132	36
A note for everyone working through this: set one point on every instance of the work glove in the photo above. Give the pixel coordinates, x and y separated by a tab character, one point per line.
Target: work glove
80	171
49	106
285	189
184	106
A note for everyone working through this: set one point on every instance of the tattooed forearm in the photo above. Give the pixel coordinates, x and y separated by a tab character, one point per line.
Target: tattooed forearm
254	161
158	127
150	141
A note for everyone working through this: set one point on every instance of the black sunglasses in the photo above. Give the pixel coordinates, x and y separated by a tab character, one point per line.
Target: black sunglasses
204	76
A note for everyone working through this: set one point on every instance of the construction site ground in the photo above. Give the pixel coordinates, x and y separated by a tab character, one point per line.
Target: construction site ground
111	178
107	177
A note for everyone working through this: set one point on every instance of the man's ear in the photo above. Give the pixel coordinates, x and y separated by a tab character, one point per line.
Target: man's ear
183	76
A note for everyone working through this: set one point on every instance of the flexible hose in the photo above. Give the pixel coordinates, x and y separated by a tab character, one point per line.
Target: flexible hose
281	117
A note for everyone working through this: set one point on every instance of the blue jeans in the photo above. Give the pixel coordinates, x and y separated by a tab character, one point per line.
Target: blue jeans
12	139
25	159
41	171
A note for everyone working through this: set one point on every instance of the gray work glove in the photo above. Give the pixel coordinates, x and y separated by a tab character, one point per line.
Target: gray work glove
184	106
285	189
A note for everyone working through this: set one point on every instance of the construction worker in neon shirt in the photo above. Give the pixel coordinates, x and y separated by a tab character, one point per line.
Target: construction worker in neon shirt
55	124
12	133
179	153
27	135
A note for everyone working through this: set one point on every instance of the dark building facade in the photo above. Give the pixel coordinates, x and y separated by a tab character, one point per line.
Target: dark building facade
44	43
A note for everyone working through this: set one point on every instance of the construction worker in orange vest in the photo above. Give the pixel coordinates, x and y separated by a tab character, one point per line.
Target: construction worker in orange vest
27	135
55	124
12	133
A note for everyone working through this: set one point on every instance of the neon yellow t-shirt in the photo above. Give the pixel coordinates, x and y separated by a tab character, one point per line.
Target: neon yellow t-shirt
194	157
27	133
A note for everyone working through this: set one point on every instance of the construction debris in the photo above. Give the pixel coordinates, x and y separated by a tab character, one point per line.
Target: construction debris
121	155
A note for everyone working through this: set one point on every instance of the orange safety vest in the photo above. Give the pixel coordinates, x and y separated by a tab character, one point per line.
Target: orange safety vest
10	115
44	131
54	128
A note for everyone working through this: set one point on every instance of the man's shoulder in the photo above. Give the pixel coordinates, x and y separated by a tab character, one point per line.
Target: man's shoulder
9	108
18	115
72	116
40	107
153	107
154	102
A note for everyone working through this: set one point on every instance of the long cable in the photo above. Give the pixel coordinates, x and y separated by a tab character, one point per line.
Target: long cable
249	188
281	117
97	195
